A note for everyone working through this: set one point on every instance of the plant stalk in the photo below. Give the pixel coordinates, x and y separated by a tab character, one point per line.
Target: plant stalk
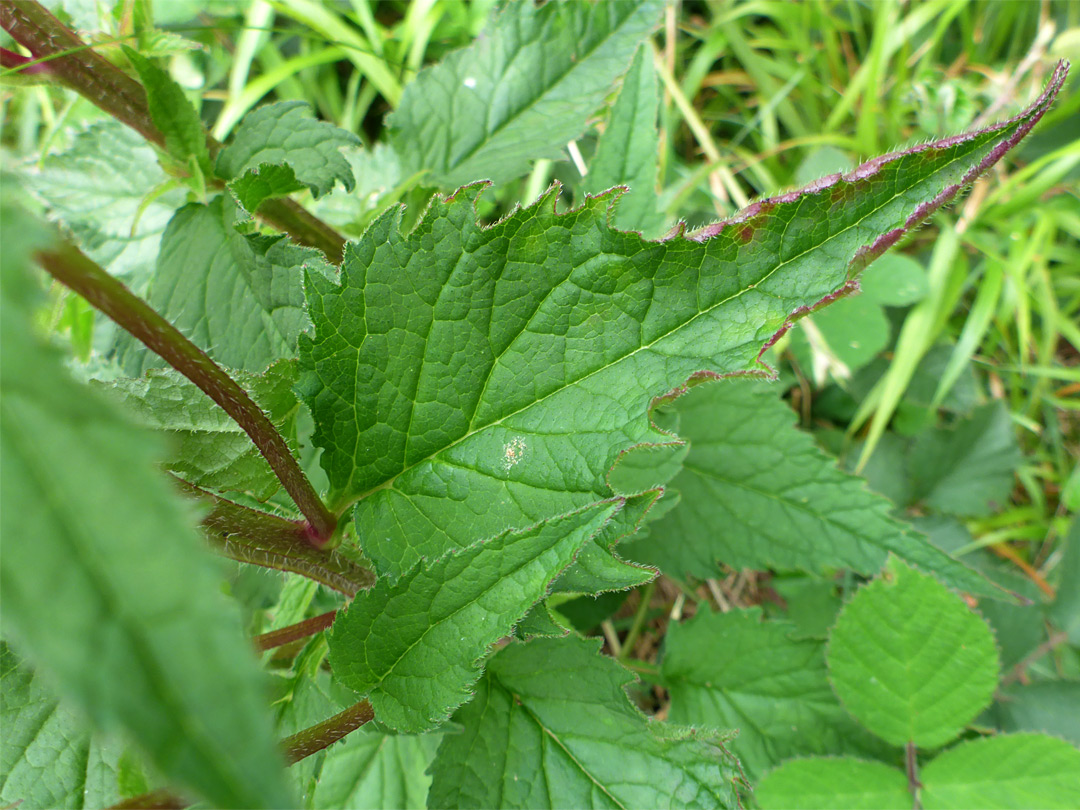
65	57
297	747
312	740
294	632
911	767
639	622
68	265
260	538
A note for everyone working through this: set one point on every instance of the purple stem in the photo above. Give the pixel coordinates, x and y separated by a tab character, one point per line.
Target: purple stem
68	265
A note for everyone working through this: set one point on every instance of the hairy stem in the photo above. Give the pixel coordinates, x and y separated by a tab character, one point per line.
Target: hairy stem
68	265
297	747
305	228
294	632
259	538
312	740
78	67
75	65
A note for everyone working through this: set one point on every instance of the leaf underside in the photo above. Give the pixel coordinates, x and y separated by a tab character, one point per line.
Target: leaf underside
758	493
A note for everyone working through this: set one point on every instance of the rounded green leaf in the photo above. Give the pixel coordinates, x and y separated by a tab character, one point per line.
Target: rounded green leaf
834	783
1006	772
910	661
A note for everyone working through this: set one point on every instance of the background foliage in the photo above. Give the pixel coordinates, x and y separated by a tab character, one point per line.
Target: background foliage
951	383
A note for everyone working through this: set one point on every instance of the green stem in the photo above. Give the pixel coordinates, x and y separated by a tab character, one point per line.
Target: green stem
68	265
259	538
639	621
74	64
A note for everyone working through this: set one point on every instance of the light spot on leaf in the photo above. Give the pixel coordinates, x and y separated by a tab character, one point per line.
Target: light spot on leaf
513	452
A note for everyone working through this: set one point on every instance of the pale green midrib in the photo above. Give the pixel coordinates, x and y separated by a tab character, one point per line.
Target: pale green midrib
163	686
547	91
389	482
523	705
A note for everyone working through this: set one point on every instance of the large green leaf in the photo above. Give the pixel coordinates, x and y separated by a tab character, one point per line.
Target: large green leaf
466	379
551	726
48	757
758	493
1009	772
105	582
840	783
520	92
731	670
209	448
910	660
413	645
626	153
237	297
280	148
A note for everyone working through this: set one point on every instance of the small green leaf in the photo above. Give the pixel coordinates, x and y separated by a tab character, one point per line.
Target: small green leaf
551	726
413	645
263	182
239	298
910	660
967	469
540	621
172	113
731	670
48	757
520	92
209	448
107	586
1008	772
626	154
782	502
840	783
599	566
280	148
376	771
